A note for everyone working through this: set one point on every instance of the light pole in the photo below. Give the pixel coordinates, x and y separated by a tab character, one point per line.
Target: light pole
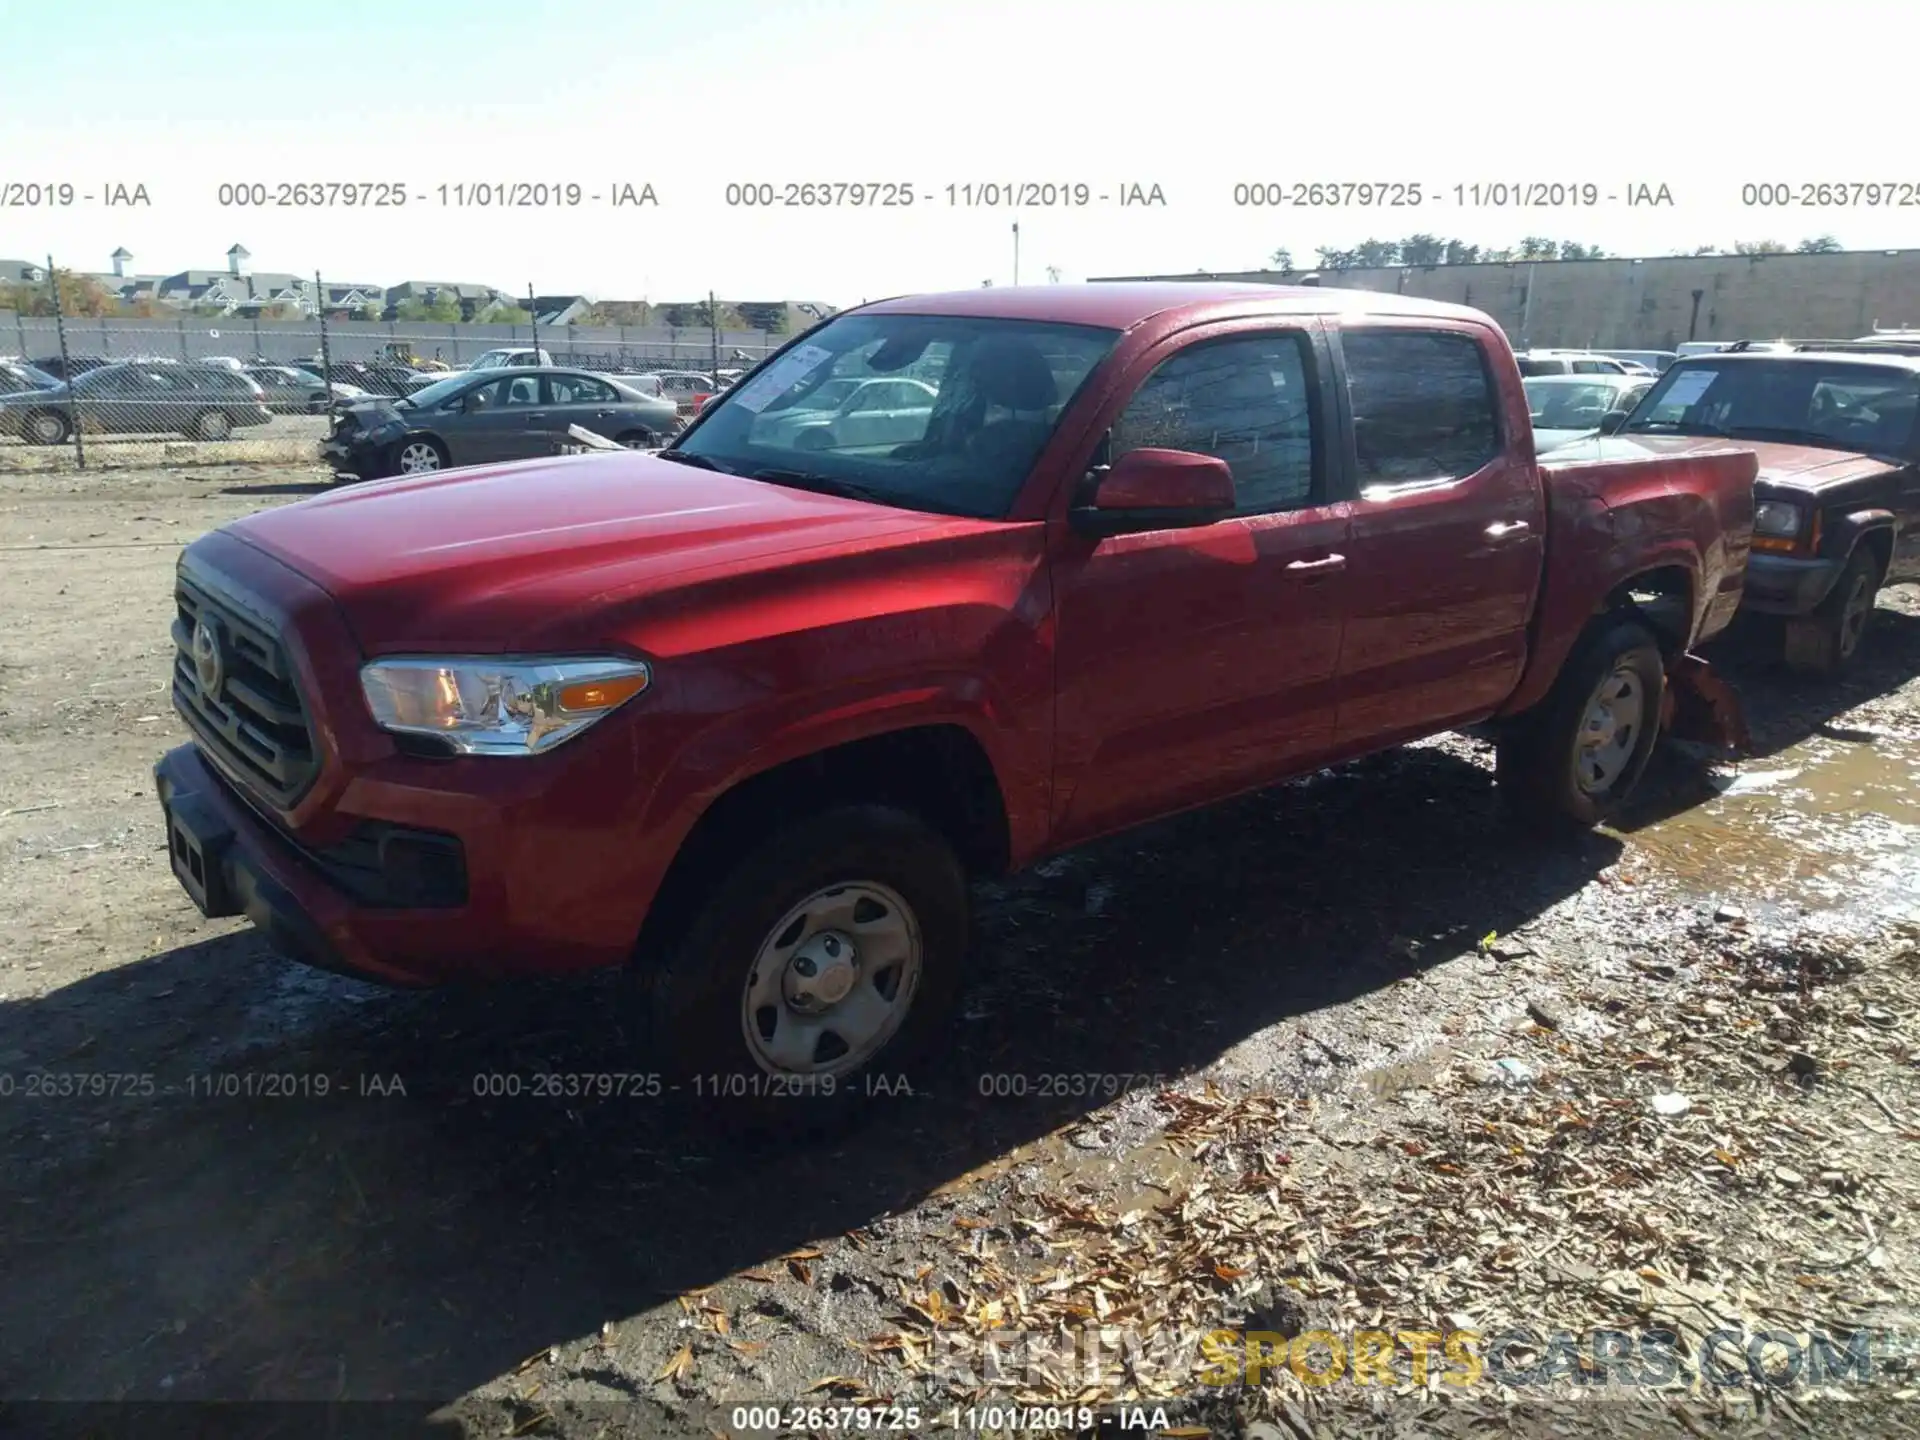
1016	252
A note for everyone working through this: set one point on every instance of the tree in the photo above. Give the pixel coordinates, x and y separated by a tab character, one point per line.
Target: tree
1538	247
502	313
1573	250
1818	245
1281	259
1458	252
80	295
443	308
369	311
1053	274
1758	247
1422	250
768	317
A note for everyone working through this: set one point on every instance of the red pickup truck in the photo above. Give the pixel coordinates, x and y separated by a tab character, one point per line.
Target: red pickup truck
747	714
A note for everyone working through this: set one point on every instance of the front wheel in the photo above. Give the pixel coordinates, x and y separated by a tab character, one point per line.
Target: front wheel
635	440
49	427
419	456
1574	759
212	425
1826	642
817	970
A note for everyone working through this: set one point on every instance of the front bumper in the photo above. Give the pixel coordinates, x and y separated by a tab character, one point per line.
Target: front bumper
354	456
1788	584
328	913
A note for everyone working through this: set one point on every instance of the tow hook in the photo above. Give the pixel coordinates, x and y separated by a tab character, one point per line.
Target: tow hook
1701	707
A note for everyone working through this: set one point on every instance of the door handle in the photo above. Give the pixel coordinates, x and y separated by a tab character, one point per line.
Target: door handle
1332	562
537	415
1501	529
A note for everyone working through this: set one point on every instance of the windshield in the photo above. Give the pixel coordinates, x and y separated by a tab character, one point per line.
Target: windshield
20	375
438	393
1580	406
1859	408
928	412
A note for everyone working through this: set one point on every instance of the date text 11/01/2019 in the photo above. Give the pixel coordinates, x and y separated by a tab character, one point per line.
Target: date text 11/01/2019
1473	195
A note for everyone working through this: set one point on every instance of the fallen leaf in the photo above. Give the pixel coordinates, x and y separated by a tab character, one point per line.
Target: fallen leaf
681	1364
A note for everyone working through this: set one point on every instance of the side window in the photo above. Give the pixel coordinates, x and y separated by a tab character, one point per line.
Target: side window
578	390
1423	405
1245	401
523	391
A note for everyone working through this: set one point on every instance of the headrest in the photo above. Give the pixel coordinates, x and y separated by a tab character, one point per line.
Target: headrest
1014	374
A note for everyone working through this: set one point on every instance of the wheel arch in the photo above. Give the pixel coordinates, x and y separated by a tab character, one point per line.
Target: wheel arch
937	770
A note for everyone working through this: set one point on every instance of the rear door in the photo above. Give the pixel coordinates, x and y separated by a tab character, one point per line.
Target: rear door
584	401
1195	663
1447	529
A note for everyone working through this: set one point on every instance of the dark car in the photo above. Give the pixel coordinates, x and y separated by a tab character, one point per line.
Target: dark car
393	381
290	389
133	397
62	369
475	419
1838	496
18	375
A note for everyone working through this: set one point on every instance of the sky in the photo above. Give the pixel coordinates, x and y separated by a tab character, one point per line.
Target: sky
1195	99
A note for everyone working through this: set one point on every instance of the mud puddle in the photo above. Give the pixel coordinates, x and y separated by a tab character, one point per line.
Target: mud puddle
1829	828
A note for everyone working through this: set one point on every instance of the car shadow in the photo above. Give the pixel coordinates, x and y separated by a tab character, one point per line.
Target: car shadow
280	487
277	1243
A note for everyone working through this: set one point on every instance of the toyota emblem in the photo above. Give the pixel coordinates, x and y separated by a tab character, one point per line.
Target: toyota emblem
209	664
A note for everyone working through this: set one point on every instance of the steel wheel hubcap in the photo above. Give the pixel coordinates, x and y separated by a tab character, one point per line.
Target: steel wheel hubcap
47	429
833	981
419	457
1611	731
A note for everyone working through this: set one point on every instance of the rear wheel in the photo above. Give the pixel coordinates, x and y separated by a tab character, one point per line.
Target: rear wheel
49	427
1827	641
825	961
636	439
1574	759
419	456
212	425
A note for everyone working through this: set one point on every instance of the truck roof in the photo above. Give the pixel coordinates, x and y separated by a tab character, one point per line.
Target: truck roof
1123	305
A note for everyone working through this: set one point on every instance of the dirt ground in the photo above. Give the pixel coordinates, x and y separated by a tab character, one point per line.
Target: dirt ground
1344	1056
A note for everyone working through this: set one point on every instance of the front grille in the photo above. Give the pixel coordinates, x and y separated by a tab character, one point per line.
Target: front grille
252	722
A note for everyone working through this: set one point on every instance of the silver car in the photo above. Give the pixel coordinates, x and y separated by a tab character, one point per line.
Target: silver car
848	414
1566	408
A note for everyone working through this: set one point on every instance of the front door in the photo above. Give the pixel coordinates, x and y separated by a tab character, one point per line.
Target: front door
1196	663
504	421
1447	538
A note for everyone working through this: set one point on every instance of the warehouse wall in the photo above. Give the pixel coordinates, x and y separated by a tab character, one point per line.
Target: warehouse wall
1651	304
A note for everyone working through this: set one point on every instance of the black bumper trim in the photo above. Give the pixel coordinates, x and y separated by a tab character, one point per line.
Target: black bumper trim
1788	585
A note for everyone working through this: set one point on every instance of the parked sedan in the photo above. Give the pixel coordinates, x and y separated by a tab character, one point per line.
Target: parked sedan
133	397
479	418
290	390
1566	408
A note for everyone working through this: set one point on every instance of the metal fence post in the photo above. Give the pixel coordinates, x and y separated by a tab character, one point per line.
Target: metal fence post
182	323
20	329
713	330
533	321
66	364
326	354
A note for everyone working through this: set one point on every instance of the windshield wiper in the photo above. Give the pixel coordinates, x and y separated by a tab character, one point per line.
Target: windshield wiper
683	457
822	484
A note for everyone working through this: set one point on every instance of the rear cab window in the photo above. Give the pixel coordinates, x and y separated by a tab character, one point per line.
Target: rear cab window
1425	407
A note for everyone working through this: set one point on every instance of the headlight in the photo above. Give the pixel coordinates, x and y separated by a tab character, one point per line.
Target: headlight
484	706
1778	519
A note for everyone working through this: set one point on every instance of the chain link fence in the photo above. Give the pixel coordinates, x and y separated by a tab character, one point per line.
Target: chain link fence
118	392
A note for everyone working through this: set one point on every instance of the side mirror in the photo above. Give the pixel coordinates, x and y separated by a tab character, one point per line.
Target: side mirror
1158	490
1611	422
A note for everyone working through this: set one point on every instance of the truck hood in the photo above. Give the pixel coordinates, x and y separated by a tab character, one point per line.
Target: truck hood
502	557
1802	466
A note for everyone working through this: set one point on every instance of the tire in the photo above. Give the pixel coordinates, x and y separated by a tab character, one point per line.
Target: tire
719	1018
636	439
813	439
1827	642
419	455
48	427
212	425
1552	771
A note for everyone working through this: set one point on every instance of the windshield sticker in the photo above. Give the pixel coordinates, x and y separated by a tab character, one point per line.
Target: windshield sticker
780	377
1687	389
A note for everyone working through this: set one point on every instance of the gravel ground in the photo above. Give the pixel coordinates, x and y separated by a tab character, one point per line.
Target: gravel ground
285	440
1345	1055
